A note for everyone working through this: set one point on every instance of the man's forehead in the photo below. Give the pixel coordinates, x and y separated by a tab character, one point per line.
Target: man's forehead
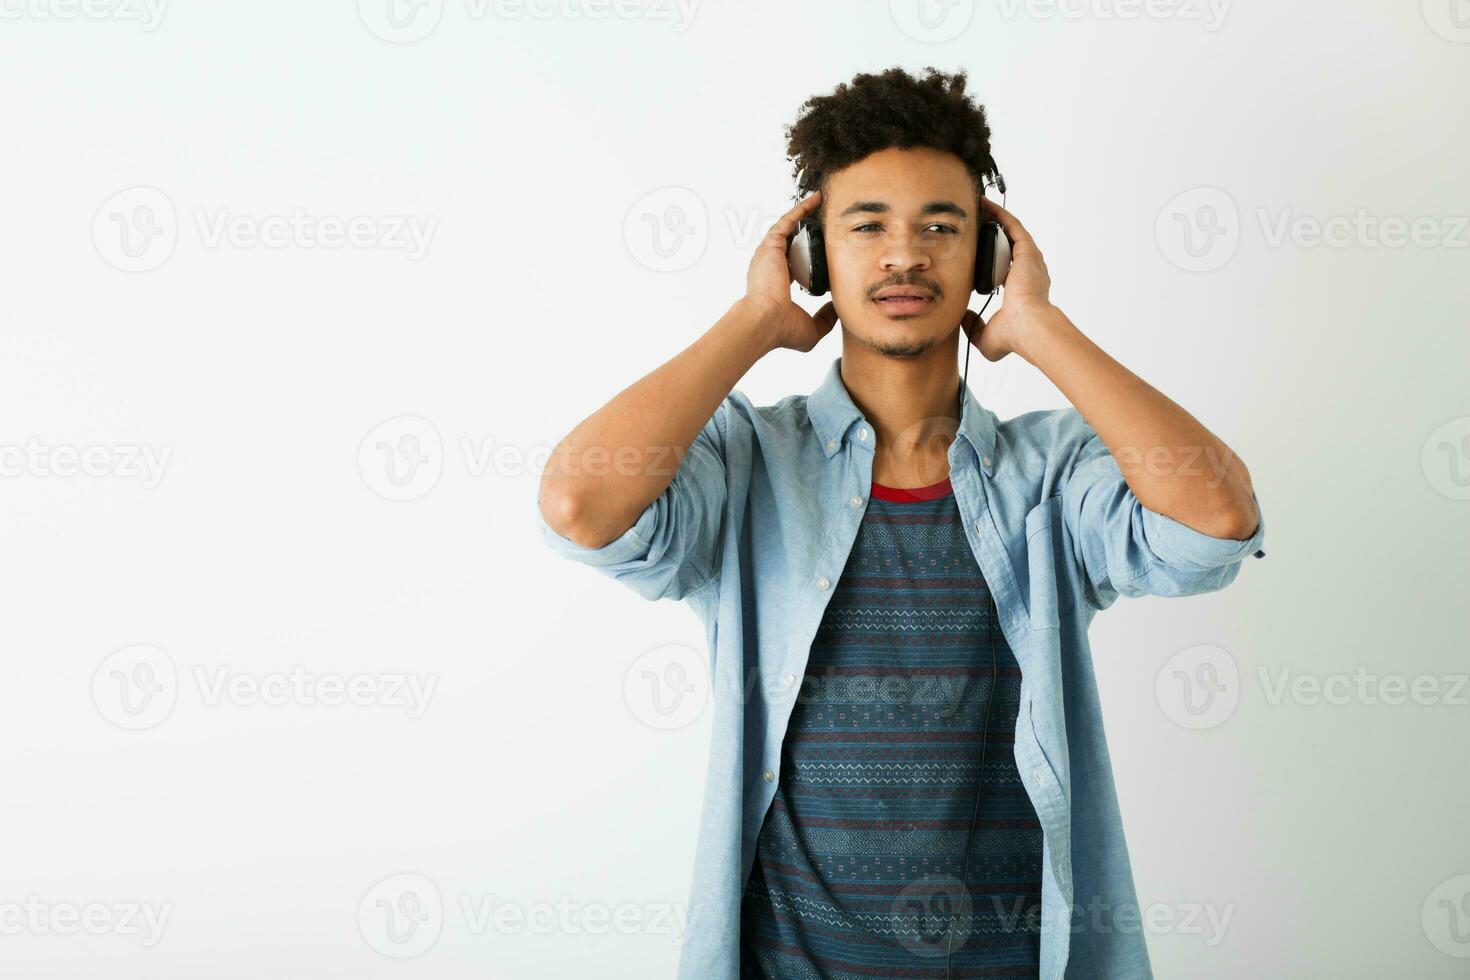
916	186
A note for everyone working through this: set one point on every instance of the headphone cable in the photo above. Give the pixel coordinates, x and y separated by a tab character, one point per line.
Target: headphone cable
990	695
979	786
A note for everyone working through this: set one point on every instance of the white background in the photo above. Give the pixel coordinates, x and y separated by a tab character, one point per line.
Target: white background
1331	834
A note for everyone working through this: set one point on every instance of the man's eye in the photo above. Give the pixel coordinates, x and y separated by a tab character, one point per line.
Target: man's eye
947	229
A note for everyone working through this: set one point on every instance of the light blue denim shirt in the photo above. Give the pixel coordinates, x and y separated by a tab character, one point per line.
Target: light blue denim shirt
755	529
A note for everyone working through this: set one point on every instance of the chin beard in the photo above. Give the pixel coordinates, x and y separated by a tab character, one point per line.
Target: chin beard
903	350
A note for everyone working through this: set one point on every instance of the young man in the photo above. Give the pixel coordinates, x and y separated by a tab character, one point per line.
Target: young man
886	571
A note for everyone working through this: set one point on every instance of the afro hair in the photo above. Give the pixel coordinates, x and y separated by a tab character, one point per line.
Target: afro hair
890	109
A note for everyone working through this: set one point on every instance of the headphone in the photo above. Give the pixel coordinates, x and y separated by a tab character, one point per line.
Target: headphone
806	254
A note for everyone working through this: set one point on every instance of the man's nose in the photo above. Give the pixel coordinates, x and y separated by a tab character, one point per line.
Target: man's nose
903	255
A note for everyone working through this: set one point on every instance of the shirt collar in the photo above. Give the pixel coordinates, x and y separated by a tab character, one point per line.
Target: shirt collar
832	412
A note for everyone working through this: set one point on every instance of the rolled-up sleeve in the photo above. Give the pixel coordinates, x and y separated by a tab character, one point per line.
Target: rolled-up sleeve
671	550
1125	548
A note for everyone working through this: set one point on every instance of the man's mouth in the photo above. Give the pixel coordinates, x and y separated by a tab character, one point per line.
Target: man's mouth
904	301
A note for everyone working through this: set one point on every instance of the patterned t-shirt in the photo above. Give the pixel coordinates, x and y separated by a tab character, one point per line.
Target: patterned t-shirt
860	859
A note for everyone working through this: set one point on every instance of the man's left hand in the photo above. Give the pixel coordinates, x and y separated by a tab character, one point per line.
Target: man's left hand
1027	300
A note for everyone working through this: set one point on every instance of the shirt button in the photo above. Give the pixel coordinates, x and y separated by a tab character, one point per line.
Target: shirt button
790	679
768	775
822	582
985	460
863	434
831	443
855	501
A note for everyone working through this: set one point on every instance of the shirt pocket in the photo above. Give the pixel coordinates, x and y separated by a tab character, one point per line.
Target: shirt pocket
1047	568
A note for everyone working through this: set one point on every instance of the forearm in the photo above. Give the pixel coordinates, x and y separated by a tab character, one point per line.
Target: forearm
618	460
1173	464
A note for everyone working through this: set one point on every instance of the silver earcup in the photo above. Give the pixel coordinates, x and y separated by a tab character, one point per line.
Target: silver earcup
799	257
1002	258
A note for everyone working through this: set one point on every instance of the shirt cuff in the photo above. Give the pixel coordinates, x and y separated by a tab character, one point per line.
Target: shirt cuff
1182	546
631	544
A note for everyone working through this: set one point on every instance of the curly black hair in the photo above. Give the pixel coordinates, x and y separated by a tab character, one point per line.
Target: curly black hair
889	109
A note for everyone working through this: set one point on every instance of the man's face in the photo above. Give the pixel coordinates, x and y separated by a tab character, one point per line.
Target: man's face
901	221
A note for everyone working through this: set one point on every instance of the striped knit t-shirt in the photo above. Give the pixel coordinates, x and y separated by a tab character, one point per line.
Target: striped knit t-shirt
859	870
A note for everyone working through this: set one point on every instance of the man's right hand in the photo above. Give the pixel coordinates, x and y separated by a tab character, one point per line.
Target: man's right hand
768	286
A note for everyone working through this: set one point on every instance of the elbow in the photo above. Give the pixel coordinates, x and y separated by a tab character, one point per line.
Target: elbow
1236	516
565	515
1237	524
1241	530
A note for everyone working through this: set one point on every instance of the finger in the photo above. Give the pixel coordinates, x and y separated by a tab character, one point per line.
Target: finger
1009	223
785	226
826	317
970	322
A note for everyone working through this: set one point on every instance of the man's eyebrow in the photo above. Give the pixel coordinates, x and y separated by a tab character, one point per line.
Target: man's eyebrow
880	207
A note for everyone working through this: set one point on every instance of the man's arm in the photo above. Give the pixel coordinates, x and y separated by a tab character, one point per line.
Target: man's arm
619	460
1172	463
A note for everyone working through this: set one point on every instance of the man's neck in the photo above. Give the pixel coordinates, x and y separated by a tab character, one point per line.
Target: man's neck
914	406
